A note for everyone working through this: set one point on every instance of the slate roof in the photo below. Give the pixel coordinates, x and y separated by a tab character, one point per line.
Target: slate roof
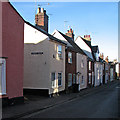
94	48
74	45
90	57
46	33
101	60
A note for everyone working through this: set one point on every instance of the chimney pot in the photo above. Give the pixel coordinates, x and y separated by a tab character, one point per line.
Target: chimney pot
38	10
42	10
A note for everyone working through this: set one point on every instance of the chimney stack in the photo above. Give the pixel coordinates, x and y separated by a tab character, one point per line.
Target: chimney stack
87	37
106	59
70	33
101	56
41	19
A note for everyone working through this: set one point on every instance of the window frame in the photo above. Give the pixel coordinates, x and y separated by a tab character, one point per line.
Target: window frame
53	80
82	63
59	52
82	80
70	57
90	65
58	79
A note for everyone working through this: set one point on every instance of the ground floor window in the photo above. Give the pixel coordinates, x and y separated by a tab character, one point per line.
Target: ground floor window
59	79
2	76
69	79
82	81
53	80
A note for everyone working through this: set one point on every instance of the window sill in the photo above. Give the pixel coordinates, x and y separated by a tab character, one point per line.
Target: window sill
54	87
59	86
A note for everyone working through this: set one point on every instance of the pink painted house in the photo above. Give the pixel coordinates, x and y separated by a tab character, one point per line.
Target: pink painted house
11	54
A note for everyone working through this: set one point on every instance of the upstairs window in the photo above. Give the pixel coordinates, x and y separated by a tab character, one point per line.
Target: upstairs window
89	65
59	51
82	63
69	57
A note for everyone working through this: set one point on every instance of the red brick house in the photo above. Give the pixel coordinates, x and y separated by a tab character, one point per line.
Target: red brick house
11	55
70	65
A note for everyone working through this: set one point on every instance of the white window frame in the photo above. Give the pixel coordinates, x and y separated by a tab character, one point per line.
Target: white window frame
59	53
3	75
61	79
69	79
53	80
82	63
82	80
69	57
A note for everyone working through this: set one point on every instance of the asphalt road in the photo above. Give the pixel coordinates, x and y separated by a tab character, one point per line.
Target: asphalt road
101	104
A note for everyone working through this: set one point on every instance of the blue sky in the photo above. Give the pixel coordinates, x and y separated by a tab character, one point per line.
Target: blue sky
98	19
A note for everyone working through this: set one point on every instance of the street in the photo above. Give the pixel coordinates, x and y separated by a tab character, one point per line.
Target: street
99	104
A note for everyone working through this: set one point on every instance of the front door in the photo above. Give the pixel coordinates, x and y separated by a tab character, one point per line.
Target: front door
2	76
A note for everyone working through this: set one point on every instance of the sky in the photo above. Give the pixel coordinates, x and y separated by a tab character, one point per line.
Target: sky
98	19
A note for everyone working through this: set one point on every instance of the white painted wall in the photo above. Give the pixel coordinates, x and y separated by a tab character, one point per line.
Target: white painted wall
111	74
97	69
59	36
84	46
57	65
82	70
106	72
38	68
32	35
101	73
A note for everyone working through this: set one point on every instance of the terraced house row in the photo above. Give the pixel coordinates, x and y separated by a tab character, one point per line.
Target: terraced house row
34	61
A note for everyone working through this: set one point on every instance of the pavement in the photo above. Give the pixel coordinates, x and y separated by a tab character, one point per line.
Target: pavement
34	103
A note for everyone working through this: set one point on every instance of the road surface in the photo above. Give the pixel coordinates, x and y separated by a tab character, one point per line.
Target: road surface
101	104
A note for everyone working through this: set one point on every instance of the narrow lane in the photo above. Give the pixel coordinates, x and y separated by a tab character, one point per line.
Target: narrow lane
102	104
